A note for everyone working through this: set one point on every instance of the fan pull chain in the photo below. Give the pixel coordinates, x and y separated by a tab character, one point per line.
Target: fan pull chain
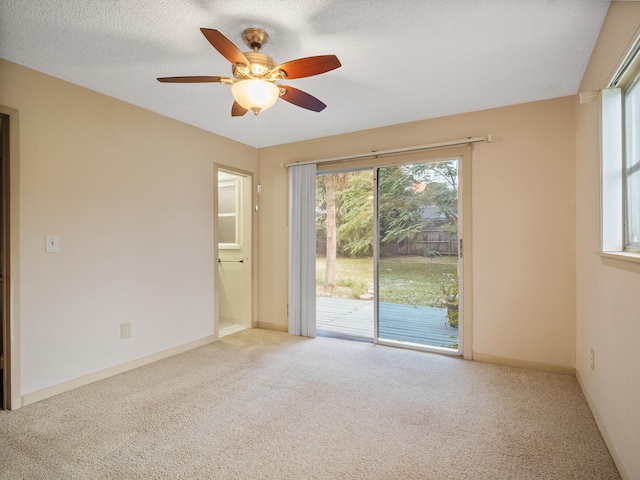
257	129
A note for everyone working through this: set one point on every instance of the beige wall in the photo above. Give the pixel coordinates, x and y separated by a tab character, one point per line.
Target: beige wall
608	313
130	193
523	223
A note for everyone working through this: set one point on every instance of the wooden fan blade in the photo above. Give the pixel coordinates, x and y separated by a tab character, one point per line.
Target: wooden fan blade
197	79
238	110
301	99
226	48
309	66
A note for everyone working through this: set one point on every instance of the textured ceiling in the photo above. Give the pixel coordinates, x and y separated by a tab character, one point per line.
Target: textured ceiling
402	60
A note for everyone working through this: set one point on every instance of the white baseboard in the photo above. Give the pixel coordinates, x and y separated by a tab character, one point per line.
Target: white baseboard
513	362
273	326
603	430
109	372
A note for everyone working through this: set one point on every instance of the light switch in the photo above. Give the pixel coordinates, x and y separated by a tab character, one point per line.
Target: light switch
52	243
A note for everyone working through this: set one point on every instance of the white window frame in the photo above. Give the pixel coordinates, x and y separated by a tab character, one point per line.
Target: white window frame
613	169
631	245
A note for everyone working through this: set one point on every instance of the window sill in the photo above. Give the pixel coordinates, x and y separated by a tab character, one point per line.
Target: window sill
633	257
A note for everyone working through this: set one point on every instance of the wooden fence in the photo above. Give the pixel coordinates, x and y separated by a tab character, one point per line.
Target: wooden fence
431	241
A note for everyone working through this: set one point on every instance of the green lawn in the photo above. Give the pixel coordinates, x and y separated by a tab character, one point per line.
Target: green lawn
406	280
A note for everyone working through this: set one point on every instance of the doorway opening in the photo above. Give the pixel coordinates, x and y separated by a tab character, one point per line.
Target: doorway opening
387	259
234	238
4	259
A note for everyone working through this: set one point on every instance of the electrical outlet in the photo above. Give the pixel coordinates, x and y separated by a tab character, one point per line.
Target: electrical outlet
125	330
592	360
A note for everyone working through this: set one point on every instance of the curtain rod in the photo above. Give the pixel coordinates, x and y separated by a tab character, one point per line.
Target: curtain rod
380	153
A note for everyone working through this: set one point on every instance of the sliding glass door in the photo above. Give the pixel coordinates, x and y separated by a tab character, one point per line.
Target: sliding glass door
417	271
387	259
344	254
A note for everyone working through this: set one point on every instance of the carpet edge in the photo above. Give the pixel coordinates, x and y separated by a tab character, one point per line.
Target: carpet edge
38	395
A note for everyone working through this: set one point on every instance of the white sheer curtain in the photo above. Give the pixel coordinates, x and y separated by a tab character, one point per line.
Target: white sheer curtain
302	250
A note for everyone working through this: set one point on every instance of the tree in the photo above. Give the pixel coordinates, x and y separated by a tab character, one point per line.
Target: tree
330	272
345	207
440	189
352	195
356	214
399	204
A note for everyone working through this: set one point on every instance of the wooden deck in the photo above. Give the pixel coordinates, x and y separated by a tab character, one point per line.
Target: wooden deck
349	317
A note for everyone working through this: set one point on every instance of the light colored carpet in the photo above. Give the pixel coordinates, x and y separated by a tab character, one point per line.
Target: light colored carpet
262	404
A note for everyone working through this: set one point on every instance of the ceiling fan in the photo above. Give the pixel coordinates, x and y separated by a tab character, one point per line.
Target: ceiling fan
255	74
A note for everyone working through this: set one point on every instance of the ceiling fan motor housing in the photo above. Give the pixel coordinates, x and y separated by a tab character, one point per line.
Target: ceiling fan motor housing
261	66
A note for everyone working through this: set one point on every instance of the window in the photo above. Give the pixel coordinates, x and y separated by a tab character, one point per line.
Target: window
631	175
621	158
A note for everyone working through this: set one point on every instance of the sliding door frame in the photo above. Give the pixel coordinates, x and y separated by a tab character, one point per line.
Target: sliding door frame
460	263
462	153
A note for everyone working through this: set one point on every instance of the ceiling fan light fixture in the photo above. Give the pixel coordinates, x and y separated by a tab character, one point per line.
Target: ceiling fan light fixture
253	86
255	95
